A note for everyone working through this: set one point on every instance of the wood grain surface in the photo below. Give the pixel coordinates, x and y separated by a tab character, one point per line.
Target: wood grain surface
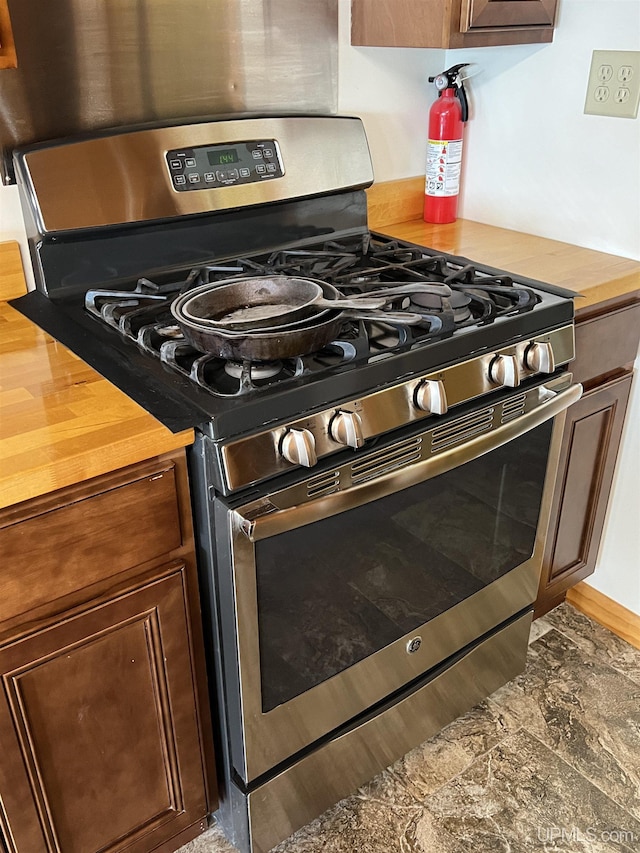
8	58
60	422
607	612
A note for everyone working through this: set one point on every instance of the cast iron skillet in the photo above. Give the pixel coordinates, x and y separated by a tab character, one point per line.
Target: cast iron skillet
259	301
283	341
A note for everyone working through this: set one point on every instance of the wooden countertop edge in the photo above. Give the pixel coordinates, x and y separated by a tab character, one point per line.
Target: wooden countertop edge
61	423
83	466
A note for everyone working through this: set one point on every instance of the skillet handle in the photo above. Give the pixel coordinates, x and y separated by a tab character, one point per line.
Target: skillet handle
357	303
395	318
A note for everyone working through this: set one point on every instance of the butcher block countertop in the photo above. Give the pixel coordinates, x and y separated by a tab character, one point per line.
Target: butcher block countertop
62	423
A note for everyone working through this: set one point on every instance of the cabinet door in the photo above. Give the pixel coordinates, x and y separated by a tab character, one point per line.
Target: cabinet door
451	23
589	450
486	14
100	747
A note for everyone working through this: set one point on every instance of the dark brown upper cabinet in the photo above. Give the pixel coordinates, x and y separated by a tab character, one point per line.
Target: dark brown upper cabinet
451	23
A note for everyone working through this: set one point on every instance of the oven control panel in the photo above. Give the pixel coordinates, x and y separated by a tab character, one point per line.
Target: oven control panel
303	442
214	166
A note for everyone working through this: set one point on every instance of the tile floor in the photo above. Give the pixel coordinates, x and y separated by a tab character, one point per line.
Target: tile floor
550	762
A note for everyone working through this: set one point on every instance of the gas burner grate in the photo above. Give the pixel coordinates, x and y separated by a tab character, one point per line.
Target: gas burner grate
461	296
224	378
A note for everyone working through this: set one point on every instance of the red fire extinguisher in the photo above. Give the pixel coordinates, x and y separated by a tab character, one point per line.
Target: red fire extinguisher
444	152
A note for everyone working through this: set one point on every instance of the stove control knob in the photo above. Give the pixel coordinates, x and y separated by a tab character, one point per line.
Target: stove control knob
538	357
298	446
431	397
346	428
504	370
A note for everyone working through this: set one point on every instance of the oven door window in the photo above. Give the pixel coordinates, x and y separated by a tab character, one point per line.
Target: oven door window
340	589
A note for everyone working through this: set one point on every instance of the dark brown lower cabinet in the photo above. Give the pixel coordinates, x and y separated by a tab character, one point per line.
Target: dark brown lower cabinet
606	345
590	448
100	743
105	732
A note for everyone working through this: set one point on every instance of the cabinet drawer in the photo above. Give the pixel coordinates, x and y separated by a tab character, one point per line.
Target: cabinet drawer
61	544
606	343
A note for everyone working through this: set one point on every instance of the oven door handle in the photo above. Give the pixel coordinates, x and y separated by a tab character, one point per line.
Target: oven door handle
267	520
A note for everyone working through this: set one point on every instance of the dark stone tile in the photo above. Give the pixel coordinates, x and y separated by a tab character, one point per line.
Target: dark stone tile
359	823
435	762
212	841
582	709
596	641
522	797
538	628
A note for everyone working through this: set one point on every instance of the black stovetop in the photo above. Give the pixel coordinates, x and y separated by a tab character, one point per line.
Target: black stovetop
486	309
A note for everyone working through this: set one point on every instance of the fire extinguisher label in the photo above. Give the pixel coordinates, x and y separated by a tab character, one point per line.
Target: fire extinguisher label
444	161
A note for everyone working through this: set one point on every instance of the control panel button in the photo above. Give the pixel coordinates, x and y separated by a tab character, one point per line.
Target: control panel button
271	167
504	370
175	164
209	177
346	428
179	180
260	169
539	357
256	154
194	178
268	152
430	396
298	446
244	173
190	162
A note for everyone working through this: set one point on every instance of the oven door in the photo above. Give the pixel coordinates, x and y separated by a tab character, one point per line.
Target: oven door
355	582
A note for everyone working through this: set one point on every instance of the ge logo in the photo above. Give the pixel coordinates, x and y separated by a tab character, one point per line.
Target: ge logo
414	645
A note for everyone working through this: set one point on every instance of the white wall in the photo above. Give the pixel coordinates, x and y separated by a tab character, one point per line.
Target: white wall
577	176
533	162
618	571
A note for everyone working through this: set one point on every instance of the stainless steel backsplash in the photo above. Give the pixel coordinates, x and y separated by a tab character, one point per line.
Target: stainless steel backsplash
90	64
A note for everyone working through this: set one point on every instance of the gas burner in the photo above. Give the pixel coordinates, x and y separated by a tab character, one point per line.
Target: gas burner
457	303
257	370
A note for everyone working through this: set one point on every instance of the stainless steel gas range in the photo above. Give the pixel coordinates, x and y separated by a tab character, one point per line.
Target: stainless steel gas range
371	481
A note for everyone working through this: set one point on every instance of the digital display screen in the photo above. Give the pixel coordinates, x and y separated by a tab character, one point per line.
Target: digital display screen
222	158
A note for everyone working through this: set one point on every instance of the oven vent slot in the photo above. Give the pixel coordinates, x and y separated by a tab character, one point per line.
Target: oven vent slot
513	408
391	459
326	484
462	429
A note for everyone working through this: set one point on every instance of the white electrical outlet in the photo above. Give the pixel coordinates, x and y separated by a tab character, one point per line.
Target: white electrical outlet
614	83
